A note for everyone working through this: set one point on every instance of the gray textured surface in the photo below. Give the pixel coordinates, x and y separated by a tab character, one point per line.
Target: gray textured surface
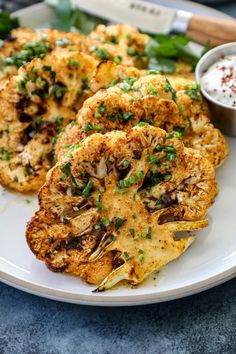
203	323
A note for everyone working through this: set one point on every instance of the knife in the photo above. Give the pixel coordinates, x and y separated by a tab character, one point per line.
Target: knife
154	18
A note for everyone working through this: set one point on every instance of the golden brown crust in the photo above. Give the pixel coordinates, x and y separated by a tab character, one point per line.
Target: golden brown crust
25	44
35	105
171	105
105	42
111	184
121	43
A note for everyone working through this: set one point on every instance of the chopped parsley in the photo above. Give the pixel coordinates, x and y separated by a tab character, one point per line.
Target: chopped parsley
102	53
126	116
27	172
169	88
141	255
99	205
66	170
126	183
102	108
118	223
59	121
59	90
121	191
167	177
73	63
5	153
87	189
126	256
171	152
142	124
153	178
194	92
127	84
147	234
91	127
125	163
114	39
153	159
105	222
21	85
73	123
101	190
131	51
153	72
29	51
152	90
117	59
133	234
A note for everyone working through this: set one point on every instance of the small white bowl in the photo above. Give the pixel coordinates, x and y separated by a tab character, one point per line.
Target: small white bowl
224	116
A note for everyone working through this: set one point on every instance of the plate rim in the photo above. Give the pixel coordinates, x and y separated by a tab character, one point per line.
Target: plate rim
130	300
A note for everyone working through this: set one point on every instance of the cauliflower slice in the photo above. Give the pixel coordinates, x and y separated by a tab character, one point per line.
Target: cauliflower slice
122	44
110	209
25	44
35	106
174	105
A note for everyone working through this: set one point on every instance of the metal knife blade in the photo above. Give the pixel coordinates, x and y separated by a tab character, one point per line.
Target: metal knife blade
147	16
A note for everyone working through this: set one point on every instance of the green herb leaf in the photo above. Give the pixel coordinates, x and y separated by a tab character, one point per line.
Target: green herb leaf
91	127
67	18
7	23
86	191
126	256
118	223
133	234
162	65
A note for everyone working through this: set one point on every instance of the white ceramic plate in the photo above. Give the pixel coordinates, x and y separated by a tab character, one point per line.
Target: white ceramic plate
210	261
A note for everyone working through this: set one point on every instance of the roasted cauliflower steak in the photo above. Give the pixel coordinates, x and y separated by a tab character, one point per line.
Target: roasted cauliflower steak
25	44
111	208
36	105
174	105
122	44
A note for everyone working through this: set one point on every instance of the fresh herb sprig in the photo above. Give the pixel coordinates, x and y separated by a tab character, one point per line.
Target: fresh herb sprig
163	50
7	23
68	18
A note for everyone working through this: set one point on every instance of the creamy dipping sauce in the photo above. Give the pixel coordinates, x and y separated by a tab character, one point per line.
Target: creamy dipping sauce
219	81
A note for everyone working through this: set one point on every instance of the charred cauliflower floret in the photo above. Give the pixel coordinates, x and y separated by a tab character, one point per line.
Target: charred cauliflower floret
122	44
201	134
35	105
38	103
177	107
109	211
25	44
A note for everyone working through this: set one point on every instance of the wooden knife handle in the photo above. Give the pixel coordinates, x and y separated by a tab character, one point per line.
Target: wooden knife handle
202	29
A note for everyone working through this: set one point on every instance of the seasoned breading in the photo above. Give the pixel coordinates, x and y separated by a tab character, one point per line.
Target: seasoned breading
174	105
110	209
